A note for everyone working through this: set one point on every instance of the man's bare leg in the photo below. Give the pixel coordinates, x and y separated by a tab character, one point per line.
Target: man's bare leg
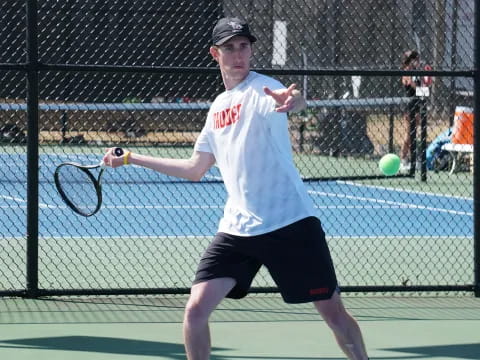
344	327
204	298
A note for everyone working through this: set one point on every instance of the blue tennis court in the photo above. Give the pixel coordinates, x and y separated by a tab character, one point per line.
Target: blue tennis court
149	204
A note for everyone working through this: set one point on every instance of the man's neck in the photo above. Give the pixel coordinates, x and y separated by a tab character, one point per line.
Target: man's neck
230	83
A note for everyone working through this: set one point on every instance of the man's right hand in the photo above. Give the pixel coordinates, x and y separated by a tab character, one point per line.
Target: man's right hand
112	160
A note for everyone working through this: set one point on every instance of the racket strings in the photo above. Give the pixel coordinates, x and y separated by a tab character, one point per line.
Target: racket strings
78	188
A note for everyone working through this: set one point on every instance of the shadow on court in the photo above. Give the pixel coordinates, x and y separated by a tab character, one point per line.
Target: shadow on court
121	346
105	345
260	327
465	351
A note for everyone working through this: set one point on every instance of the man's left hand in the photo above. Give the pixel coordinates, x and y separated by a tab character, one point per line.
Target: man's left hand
288	100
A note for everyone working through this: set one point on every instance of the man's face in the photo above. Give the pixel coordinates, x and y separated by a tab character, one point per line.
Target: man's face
234	57
415	63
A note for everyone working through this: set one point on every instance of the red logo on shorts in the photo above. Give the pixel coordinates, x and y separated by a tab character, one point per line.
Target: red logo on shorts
319	291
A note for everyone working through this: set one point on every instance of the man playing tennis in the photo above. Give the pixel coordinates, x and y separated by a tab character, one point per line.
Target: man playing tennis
269	218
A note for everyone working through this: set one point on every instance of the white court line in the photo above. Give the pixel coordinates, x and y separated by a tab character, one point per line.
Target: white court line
403	190
21	200
395	203
359	207
116	237
163	207
13	198
41	206
139	207
7	240
389	205
136	207
400	237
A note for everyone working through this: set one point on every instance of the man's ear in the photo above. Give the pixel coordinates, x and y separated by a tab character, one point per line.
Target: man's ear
214	52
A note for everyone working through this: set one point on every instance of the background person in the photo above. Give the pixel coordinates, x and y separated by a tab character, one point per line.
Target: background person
416	106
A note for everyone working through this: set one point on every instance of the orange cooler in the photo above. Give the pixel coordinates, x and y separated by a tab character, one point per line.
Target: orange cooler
463	125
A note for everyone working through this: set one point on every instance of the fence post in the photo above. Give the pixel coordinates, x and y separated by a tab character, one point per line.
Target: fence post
32	149
476	148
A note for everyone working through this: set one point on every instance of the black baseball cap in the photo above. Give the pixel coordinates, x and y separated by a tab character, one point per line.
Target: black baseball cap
227	28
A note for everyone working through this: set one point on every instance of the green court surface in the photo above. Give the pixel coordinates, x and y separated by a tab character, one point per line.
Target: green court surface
257	327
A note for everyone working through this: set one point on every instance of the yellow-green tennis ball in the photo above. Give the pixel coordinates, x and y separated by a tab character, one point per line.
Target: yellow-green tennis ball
389	164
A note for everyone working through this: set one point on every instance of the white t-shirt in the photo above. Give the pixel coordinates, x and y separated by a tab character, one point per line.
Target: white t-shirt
252	149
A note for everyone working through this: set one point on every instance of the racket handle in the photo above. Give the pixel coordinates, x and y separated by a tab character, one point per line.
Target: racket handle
118	151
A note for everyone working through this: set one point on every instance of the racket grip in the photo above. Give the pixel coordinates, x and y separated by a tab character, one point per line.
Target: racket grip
118	151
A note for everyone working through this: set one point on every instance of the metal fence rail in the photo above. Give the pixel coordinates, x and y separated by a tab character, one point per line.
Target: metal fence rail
79	76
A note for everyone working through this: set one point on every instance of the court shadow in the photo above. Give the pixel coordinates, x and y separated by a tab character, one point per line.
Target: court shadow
465	351
106	345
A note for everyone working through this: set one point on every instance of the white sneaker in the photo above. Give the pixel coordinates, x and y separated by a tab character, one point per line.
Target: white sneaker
404	167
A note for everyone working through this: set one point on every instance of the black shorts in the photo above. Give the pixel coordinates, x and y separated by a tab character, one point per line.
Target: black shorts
416	106
297	257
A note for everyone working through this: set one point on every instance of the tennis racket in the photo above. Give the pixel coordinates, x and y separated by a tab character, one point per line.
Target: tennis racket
79	188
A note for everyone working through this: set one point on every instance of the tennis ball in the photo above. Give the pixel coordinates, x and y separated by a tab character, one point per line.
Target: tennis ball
389	164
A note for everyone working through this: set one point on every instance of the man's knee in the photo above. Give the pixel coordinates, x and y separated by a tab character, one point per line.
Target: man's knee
333	312
195	313
204	298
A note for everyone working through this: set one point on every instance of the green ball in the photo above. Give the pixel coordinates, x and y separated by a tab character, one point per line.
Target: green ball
389	164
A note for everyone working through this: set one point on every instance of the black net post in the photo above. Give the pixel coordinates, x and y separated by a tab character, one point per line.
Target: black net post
32	150
476	155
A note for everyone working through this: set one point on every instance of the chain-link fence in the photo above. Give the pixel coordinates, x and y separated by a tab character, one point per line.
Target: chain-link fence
138	74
